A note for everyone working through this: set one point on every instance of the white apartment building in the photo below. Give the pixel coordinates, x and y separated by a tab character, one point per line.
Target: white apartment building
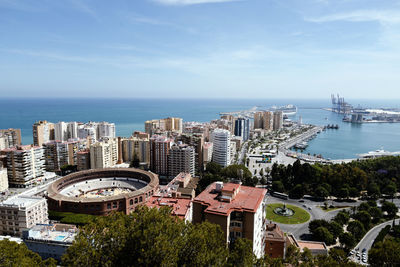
221	140
3	179
88	131
181	158
56	155
104	154
105	129
19	213
207	153
25	165
61	131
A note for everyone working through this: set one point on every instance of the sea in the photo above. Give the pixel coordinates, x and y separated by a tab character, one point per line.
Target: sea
129	115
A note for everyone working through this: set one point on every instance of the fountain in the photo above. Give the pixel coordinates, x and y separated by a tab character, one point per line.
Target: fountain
284	211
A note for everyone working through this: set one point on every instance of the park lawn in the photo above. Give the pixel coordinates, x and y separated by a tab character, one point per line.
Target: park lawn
299	216
331	209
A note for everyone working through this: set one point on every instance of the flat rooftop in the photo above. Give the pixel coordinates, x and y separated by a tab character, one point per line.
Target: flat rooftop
311	245
180	206
245	198
21	201
52	232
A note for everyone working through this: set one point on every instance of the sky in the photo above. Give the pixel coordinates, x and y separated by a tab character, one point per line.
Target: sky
200	48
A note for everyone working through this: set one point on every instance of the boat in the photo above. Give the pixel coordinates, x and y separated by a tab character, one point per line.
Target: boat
378	153
288	110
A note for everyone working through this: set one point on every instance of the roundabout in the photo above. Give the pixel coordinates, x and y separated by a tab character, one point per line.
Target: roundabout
286	214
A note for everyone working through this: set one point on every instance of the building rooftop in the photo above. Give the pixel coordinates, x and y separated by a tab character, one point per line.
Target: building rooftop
64	233
232	197
180	206
273	232
311	245
21	201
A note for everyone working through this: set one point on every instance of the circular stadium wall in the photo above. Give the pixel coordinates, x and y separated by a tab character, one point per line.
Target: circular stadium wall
102	191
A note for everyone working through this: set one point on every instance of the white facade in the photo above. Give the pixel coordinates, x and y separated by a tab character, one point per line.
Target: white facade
259	231
105	129
87	132
22	212
72	130
61	131
104	154
3	179
221	140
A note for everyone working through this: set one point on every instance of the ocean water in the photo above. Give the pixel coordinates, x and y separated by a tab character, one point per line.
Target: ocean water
129	115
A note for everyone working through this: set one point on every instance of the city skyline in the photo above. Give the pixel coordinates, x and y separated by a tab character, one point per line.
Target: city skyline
200	48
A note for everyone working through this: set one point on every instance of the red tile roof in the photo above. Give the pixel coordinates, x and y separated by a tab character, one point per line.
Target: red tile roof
180	206
247	199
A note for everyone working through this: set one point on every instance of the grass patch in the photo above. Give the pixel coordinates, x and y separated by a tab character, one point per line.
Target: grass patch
333	208
71	218
299	216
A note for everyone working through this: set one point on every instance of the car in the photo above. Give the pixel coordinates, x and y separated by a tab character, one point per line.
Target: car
364	249
309	208
304	205
358	254
364	260
301	200
352	252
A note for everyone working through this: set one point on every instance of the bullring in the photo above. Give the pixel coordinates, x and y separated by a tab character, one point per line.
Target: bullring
102	191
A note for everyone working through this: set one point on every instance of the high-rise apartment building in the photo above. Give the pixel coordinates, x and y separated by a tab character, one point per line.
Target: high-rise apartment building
221	140
242	128
3	178
56	155
73	148
278	120
136	146
263	120
168	124
88	131
104	154
195	140
159	151
207	153
83	160
239	210
181	159
61	131
105	129
22	212
25	164
43	132
10	138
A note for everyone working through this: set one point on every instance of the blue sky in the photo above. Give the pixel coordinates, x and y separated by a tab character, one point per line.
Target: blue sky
200	48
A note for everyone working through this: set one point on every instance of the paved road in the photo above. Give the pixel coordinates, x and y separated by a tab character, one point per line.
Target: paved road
300	231
369	238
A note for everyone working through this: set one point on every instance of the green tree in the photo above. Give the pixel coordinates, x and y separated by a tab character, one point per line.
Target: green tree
342	218
213	167
373	190
278	186
390	208
241	253
364	206
364	217
135	163
14	254
356	228
321	192
297	192
385	253
323	234
390	190
344	193
335	229
376	213
347	240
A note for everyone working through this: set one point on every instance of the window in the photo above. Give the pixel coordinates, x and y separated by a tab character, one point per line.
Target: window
140	199
131	202
114	205
136	200
108	205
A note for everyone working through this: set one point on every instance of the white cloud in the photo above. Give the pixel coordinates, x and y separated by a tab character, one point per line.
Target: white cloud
191	2
381	16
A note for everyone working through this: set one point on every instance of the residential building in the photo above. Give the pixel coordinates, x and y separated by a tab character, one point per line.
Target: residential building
19	213
56	155
3	179
43	132
180	207
278	120
168	124
50	240
181	159
105	129
184	185
61	131
263	120
83	160
88	131
242	128
10	138
195	140
239	210
136	146
207	153
159	151
141	135
25	165
104	154
74	146
275	241
221	140
316	248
